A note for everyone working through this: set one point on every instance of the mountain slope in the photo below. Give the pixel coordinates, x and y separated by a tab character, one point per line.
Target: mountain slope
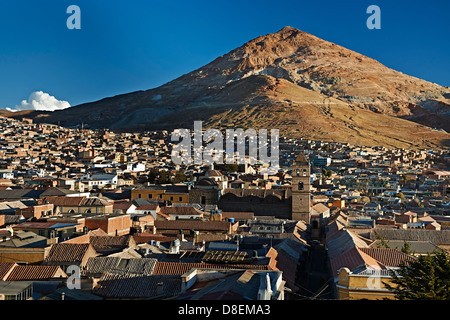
290	80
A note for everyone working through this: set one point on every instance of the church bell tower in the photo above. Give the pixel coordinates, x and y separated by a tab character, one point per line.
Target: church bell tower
301	189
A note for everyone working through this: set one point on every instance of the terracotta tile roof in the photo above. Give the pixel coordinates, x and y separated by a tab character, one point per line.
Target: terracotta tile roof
148	207
34	272
122	205
95	202
109	244
179	268
66	253
86	237
353	259
320	208
64	201
389	257
340	241
5	269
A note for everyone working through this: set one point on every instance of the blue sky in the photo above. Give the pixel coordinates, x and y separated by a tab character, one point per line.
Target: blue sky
126	46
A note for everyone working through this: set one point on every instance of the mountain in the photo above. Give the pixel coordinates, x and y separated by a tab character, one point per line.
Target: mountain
290	80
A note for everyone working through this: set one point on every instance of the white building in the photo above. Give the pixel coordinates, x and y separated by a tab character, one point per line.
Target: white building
135	167
6	174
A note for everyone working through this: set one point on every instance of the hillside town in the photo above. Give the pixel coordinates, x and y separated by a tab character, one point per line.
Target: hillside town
100	215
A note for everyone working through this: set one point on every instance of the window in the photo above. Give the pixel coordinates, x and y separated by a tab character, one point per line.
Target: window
150	196
160	195
180	199
300	185
298	172
171	198
203	200
139	195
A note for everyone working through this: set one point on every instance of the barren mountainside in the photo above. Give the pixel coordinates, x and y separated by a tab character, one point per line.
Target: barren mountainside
290	80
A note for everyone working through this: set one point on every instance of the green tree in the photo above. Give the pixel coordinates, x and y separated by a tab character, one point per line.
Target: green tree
406	248
365	199
163	177
152	175
427	278
180	176
383	242
400	195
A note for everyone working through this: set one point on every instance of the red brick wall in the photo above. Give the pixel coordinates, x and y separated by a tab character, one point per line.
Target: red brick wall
36	211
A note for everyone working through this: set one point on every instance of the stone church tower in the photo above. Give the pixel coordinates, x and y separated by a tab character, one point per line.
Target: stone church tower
301	189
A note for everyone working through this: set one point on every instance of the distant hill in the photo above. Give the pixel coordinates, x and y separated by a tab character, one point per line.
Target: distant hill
290	80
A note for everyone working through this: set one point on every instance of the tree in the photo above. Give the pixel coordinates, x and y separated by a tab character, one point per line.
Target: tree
427	278
326	174
406	248
180	176
365	199
400	195
163	177
383	242
152	175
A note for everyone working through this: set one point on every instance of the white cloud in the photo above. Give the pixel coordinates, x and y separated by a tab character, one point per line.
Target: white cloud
41	101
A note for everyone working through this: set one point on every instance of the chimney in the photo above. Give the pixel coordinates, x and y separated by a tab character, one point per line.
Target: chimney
181	235
265	291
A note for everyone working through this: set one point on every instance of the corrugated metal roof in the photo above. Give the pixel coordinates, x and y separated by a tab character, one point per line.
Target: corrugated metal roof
215	256
99	265
113	285
418	247
438	237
